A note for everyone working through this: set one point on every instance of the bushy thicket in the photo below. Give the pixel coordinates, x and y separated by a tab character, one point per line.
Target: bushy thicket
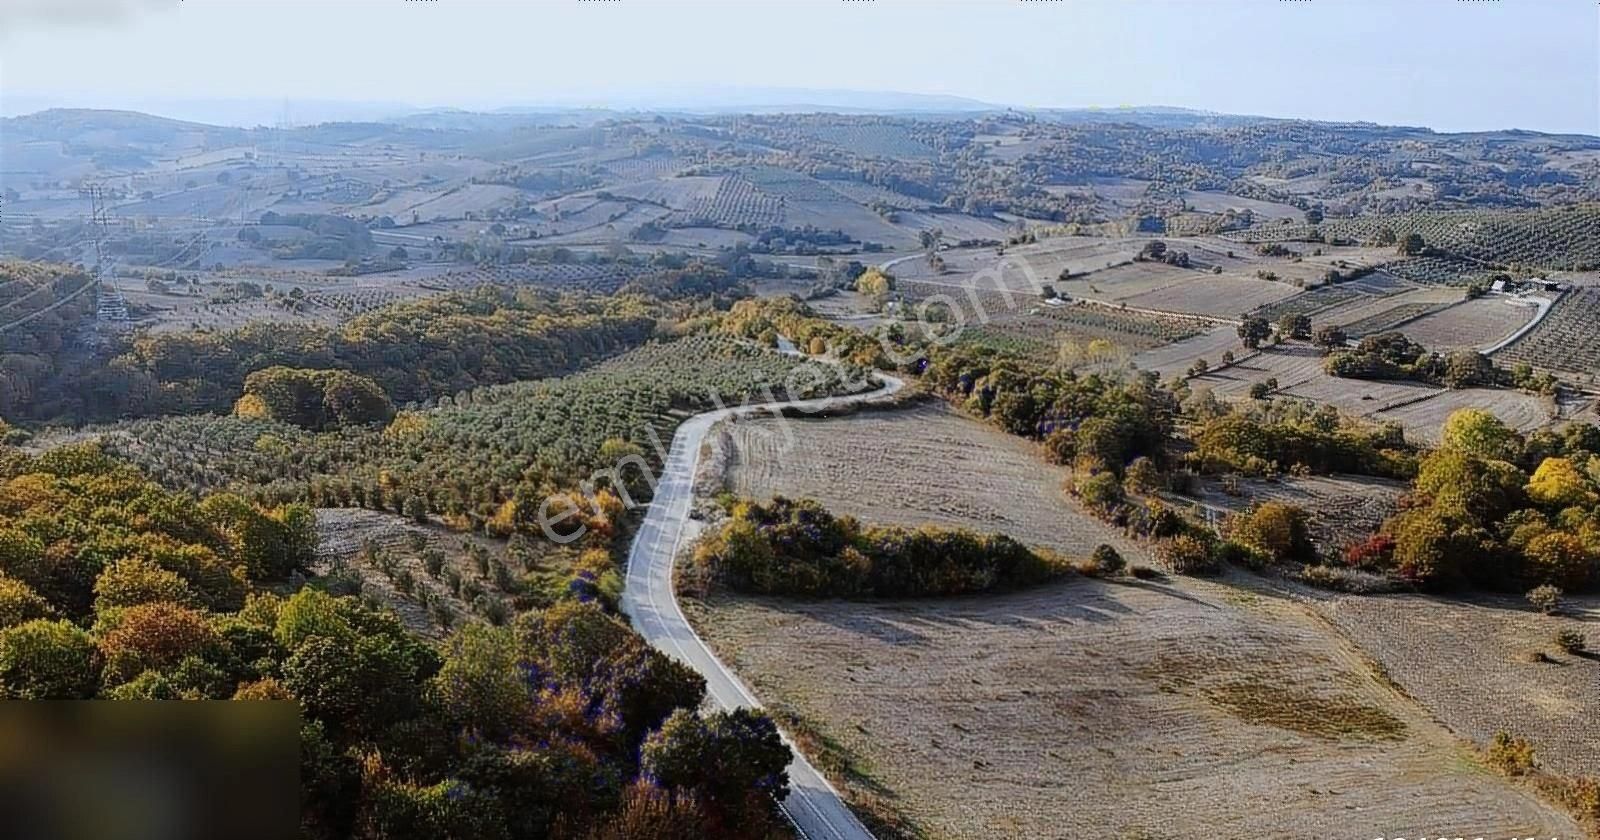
313	399
1291	435
1092	422
765	319
1492	508
792	547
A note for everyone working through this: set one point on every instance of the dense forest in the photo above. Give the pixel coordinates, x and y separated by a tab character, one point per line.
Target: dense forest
42	309
562	723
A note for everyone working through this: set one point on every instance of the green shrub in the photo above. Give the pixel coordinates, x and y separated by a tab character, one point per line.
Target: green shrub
1238	554
19	603
1099	490
1187	554
1511	756
1106	560
1545	598
1273	530
1571	641
48	660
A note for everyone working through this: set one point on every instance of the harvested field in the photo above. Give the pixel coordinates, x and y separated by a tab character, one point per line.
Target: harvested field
1046	260
1174	709
1471	324
1469	662
1220	295
1174	359
946	470
1123	282
1421	409
1521	411
1216	202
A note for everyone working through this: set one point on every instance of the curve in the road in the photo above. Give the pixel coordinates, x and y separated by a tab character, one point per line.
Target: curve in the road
813	805
1544	305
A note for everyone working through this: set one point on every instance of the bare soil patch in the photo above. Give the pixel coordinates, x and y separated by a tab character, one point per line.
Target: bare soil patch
944	469
1470	663
1175	709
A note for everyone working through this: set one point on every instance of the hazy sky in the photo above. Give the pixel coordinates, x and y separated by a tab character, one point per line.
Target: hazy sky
1445	64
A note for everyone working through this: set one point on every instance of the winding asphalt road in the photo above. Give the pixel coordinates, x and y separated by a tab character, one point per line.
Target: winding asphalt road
813	805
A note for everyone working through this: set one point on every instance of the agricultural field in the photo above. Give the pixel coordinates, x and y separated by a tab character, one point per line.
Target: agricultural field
1558	239
1567	340
1421	409
1122	283
1042	330
1216	202
387	554
1042	261
737	202
1123	709
1219	296
986	480
449	203
1390	319
1439	270
1424	419
427	442
1311	302
1472	324
595	278
478	446
1124	327
1174	359
1367	304
1471	662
